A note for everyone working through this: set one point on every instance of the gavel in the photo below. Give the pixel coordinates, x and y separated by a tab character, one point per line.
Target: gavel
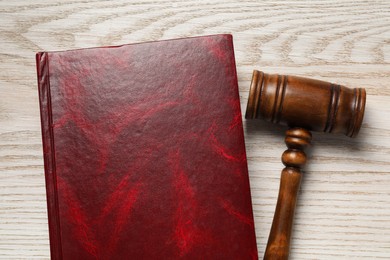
303	105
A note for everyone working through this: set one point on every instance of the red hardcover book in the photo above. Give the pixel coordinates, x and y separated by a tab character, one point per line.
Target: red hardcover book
144	152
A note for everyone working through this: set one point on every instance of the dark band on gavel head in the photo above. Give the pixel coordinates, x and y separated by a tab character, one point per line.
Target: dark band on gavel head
301	102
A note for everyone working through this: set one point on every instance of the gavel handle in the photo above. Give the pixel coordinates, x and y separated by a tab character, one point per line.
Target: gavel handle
279	238
294	158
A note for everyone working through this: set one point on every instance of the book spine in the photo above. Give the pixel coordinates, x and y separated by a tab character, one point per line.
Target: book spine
42	60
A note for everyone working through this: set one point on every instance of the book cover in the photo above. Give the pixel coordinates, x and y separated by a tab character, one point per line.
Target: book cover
144	152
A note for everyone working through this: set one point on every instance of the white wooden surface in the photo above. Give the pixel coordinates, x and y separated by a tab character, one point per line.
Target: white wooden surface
344	205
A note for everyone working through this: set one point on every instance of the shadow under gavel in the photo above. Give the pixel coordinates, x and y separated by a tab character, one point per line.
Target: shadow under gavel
304	105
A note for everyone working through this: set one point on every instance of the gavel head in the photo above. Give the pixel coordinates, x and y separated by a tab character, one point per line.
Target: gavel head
311	104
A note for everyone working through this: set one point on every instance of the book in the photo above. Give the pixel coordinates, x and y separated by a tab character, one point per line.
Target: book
144	152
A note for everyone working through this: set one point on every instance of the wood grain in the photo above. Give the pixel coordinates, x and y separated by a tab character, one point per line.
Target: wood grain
343	211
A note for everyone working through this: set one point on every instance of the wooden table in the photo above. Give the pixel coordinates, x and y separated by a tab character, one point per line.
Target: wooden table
344	206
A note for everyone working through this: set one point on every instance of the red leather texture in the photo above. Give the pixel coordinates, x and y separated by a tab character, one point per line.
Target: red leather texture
144	152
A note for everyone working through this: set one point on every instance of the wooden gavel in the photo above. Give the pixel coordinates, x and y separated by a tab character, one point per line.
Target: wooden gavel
304	105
